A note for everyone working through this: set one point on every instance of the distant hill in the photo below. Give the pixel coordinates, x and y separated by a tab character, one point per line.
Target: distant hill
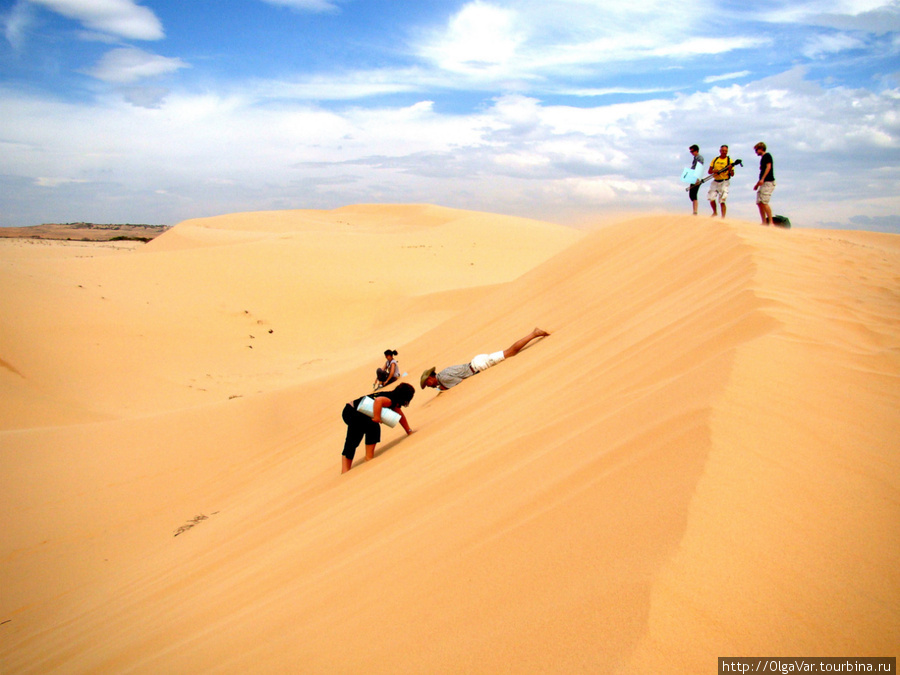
85	232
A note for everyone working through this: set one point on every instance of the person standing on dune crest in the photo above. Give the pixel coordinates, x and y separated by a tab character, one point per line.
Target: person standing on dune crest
453	375
765	186
695	188
721	170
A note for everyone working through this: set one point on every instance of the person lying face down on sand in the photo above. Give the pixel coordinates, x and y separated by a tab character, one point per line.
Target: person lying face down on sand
453	375
360	425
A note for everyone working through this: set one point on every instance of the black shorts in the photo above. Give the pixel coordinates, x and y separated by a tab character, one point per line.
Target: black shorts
359	426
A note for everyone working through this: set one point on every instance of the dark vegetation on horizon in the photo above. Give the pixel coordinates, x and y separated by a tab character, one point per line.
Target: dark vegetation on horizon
86	232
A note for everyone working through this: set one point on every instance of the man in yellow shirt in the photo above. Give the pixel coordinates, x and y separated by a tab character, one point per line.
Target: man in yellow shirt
721	171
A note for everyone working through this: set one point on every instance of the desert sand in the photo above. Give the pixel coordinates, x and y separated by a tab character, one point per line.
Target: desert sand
701	460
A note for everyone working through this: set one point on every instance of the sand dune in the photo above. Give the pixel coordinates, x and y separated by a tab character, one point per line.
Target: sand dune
232	306
700	461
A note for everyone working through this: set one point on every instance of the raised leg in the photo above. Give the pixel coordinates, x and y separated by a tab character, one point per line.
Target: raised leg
517	346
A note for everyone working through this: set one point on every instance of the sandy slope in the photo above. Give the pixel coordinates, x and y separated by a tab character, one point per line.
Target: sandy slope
701	461
231	306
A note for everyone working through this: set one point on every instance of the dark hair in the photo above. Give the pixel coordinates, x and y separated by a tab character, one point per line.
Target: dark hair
403	394
390	352
695	147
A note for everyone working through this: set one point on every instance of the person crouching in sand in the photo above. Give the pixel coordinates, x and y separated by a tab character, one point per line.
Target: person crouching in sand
360	425
453	375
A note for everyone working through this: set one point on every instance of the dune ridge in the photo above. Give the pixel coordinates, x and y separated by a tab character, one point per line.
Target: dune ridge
700	461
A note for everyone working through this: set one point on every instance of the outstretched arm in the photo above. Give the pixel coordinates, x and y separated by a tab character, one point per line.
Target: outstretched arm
404	423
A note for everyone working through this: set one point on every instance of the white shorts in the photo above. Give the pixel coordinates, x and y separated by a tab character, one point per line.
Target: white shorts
764	192
720	189
485	361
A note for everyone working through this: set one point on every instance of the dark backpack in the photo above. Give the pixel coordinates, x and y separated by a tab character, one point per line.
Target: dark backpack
781	221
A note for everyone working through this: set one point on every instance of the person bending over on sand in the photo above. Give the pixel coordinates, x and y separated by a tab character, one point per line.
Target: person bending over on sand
360	425
390	373
453	375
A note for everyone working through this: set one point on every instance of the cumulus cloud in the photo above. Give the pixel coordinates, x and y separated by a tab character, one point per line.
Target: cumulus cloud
128	64
519	155
122	18
521	148
480	37
514	44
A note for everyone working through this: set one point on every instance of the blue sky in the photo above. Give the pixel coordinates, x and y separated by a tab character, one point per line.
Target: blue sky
562	110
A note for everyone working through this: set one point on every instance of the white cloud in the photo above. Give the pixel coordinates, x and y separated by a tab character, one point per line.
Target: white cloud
122	18
344	86
874	16
610	91
707	46
726	76
562	47
859	6
211	154
519	114
513	45
16	23
128	64
263	146
823	45
306	5
268	144
480	38
145	97
52	182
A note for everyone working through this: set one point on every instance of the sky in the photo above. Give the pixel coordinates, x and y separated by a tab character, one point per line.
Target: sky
157	111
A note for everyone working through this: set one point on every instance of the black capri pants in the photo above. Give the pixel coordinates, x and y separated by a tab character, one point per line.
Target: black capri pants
359	426
692	193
